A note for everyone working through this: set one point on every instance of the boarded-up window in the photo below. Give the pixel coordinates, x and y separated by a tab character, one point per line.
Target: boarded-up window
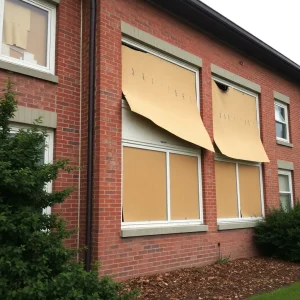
226	190
238	190
160	186
144	185
184	187
236	131
25	32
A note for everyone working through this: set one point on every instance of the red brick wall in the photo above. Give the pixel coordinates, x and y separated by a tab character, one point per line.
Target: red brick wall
143	255
62	98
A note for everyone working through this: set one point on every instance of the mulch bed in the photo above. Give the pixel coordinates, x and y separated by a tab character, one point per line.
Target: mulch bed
237	279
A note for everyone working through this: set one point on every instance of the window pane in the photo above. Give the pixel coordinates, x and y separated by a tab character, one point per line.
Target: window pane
249	180
279	113
144	185
283	183
184	187
227	205
285	201
281	130
25	32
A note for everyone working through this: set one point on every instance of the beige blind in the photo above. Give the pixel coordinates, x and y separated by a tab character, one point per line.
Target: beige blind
144	185
226	190
235	125
25	26
184	186
16	23
164	93
250	196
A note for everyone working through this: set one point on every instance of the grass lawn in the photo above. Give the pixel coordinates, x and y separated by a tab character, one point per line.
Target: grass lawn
291	292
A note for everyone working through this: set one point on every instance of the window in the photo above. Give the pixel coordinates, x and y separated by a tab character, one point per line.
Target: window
160	185
281	119
28	33
48	155
161	173
285	189
238	190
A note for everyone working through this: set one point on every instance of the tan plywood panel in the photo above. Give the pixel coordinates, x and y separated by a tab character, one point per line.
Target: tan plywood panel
144	185
164	93
226	190
249	181
235	125
184	188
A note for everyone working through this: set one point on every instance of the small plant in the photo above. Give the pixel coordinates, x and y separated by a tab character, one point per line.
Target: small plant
223	259
278	235
34	262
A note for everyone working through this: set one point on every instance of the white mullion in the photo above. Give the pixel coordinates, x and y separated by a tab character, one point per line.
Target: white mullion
200	194
238	189
168	186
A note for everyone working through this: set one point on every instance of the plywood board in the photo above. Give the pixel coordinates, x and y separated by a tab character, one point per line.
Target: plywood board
165	93
235	125
249	182
226	190
144	185
184	187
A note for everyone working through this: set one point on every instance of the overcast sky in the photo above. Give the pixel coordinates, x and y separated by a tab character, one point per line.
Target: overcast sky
275	22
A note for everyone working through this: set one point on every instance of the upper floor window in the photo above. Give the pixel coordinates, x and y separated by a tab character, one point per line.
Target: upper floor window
281	119
28	33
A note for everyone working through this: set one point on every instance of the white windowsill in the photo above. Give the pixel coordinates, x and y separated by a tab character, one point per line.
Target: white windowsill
17	68
284	143
158	230
230	225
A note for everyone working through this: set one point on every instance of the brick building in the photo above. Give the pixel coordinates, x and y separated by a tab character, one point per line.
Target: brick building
154	193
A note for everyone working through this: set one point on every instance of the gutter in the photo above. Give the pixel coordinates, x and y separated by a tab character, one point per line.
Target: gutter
91	114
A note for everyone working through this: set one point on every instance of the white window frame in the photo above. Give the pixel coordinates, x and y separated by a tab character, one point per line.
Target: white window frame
166	148
289	174
48	155
286	123
239	218
51	9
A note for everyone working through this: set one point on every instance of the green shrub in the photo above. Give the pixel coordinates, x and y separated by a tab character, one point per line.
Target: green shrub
278	235
34	263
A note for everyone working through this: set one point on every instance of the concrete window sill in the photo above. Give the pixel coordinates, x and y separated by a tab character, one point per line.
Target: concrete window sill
27	71
146	231
236	225
282	143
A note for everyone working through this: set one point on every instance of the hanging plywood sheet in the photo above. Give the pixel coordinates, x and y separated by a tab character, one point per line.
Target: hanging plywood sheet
184	187
144	185
235	125
226	190
249	182
165	93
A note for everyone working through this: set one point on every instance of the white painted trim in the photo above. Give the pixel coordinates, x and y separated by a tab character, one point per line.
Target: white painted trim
238	189
286	112
245	91
130	42
166	150
48	155
51	9
240	162
290	192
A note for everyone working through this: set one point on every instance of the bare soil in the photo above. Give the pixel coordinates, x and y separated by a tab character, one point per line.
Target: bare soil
236	279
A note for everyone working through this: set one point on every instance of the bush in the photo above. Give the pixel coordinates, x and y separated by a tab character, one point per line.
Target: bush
278	235
34	263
